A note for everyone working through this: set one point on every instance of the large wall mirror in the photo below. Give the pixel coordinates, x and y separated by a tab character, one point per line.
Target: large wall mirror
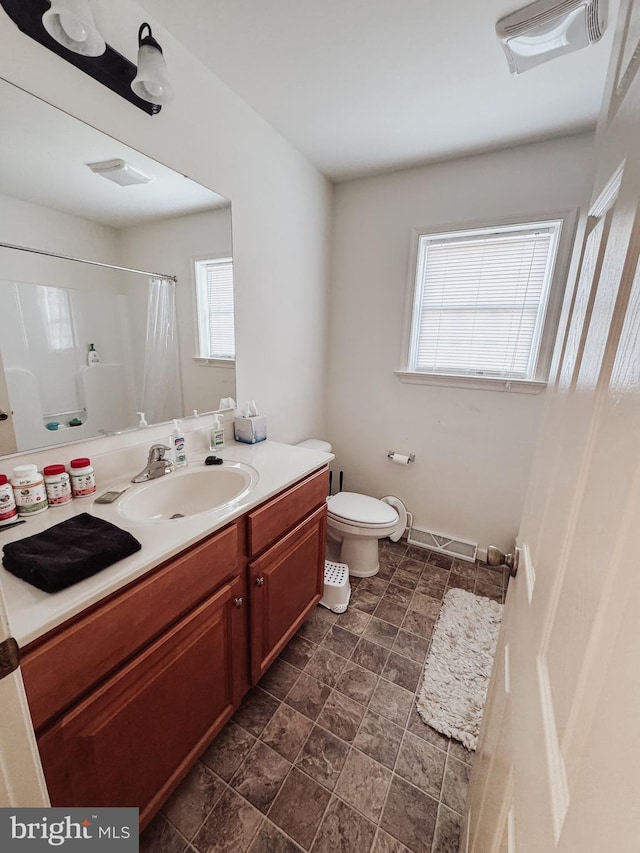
52	309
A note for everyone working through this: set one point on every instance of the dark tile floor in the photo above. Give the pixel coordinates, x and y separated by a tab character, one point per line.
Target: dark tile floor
328	754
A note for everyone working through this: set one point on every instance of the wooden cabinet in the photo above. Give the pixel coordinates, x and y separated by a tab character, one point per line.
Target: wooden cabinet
126	696
62	666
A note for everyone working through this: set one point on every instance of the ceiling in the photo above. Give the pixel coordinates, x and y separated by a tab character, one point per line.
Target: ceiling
50	168
363	86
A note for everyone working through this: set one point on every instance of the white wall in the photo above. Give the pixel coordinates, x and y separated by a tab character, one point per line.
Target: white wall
25	224
281	204
473	447
170	246
165	246
44	380
45	364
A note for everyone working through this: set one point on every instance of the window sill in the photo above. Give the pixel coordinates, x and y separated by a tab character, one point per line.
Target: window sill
476	383
215	362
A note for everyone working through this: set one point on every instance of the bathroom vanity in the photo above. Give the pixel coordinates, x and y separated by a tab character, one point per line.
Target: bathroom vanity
127	693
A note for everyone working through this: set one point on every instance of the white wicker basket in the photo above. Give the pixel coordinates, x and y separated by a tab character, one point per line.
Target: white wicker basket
337	589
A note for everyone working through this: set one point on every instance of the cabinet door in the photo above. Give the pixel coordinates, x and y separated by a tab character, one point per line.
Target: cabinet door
284	584
131	740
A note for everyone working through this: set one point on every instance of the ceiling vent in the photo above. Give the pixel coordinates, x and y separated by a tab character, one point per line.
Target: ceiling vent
120	172
549	28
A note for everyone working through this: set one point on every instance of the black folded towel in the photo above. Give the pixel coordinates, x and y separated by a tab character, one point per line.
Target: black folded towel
68	552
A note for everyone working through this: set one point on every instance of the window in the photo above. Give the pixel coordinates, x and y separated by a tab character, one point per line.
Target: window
480	299
55	306
214	292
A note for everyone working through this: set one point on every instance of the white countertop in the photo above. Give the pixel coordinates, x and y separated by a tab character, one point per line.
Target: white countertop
32	612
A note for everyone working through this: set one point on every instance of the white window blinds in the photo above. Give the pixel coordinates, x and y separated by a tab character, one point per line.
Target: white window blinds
480	299
214	282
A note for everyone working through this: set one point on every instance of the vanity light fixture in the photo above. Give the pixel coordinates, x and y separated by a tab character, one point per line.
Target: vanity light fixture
120	172
151	83
67	28
71	24
549	28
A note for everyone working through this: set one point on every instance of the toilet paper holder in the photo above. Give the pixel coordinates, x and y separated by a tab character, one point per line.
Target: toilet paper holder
411	457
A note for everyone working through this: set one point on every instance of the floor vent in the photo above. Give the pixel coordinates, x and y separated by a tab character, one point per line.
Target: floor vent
451	545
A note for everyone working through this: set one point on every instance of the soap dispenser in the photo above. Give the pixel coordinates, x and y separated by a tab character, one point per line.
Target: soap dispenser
216	436
178	445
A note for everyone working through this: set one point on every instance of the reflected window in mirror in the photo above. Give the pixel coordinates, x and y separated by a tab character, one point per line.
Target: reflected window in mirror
58	324
214	302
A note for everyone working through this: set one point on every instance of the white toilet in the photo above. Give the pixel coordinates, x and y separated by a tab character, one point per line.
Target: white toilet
357	522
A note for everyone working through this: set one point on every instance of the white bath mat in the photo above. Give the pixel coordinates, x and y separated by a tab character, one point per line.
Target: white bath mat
456	674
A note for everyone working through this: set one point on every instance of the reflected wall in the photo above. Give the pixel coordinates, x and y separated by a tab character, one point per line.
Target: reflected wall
50	201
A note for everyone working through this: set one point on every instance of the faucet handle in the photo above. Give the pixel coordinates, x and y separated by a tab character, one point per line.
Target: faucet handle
156	452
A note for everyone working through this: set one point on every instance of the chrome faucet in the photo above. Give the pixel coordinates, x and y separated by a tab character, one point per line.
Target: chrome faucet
157	465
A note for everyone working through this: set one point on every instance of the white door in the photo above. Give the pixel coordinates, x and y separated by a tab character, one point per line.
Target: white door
558	762
21	779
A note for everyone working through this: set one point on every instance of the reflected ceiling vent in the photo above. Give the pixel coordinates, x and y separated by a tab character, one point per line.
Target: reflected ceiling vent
549	28
120	172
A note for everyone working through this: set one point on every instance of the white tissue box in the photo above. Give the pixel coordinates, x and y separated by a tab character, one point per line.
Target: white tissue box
250	430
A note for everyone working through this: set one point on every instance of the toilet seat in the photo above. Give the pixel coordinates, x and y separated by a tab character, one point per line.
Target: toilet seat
361	510
340	522
401	509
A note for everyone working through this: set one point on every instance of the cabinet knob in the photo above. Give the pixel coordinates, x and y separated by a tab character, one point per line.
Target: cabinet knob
237	602
3	415
259	581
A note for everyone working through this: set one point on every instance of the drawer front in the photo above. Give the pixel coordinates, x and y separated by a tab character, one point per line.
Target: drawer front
274	518
63	667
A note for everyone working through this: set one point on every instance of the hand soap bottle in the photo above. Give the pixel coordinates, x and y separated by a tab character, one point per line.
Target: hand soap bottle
177	446
216	436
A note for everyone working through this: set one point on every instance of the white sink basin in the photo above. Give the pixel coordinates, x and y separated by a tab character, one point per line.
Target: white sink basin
188	492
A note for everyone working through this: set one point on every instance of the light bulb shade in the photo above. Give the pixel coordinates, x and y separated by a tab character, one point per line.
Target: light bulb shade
71	24
151	82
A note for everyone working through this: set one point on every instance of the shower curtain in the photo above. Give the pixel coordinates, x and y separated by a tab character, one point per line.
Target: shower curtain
161	385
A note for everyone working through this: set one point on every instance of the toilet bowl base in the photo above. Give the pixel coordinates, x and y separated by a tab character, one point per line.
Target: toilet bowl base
361	555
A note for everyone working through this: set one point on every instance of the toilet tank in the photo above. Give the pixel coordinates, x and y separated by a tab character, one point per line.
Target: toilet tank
315	444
